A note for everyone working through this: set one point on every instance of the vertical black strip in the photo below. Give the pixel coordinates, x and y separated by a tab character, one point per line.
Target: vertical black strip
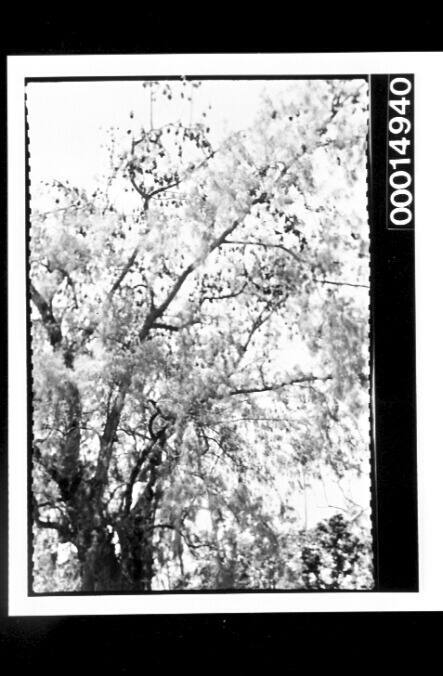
393	364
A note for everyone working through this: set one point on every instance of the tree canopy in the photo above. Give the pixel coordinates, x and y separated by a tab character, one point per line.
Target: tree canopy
200	352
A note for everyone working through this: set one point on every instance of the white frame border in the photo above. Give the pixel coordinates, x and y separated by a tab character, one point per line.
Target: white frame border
427	68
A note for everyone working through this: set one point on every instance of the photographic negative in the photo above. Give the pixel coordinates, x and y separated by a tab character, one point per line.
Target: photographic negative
216	404
200	335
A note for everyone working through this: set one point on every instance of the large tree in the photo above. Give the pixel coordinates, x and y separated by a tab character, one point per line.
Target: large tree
200	350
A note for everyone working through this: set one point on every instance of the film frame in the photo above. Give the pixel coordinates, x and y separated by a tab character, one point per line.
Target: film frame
393	409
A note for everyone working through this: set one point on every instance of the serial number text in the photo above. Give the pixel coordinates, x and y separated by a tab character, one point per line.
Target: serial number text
400	153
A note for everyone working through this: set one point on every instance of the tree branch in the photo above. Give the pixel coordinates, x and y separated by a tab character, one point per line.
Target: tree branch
277	386
49	468
135	472
50	323
107	438
263	317
234	294
328	281
123	273
47	524
60	527
299	259
267	245
147	196
171	327
155	313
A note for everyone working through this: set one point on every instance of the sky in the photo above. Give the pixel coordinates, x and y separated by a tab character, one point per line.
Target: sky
68	120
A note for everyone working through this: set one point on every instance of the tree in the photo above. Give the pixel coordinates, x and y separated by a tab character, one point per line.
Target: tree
200	351
334	554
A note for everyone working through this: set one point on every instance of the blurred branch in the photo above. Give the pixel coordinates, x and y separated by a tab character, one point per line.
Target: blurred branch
136	471
107	438
234	294
328	281
50	323
123	273
148	195
277	386
171	327
44	524
267	245
156	313
47	466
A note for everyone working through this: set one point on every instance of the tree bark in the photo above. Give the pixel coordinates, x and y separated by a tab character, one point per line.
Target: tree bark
100	567
136	533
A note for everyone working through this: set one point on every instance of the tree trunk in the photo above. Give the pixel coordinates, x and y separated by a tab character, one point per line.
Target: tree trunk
136	536
137	546
137	553
100	567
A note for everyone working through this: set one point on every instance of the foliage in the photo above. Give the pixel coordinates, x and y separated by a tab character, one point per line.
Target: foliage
335	557
200	348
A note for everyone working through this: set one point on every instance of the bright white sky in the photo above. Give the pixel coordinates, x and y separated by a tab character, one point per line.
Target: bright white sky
68	120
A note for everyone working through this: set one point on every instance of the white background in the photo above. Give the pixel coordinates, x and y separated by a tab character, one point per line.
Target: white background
428	151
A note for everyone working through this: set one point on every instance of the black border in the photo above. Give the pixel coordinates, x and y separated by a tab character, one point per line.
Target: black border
394	369
239	642
123	643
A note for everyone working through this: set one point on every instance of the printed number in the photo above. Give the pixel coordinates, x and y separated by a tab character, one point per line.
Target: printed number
400	145
397	202
401	216
400	160
404	182
399	125
400	105
400	177
400	85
